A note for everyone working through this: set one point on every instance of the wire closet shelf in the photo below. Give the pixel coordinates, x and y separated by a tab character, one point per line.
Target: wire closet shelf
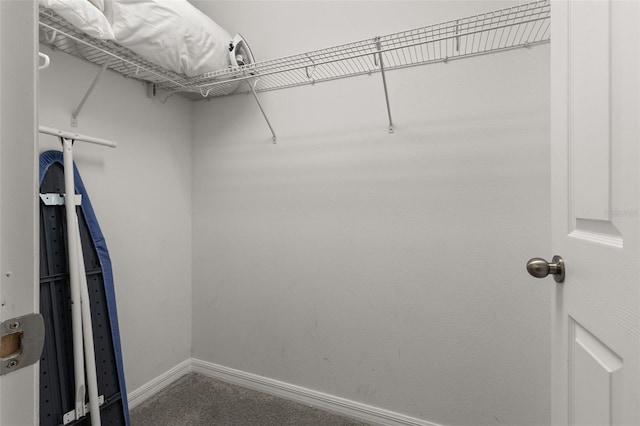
509	28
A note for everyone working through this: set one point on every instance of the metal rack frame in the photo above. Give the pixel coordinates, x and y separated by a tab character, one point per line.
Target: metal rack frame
514	27
525	25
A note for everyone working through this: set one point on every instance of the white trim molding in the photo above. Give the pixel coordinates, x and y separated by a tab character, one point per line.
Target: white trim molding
335	404
151	388
345	407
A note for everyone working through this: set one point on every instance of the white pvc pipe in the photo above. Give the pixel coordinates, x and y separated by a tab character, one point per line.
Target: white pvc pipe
76	136
87	329
81	308
74	279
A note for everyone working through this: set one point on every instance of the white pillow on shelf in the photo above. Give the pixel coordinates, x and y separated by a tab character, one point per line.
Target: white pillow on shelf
99	4
82	15
170	33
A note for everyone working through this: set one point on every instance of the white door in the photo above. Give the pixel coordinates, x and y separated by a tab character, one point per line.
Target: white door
18	225
595	135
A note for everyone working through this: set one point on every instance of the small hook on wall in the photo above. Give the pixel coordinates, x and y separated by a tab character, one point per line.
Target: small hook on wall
47	61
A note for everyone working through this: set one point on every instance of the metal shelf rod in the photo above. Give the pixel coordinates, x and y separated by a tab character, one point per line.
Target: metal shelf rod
255	96
74	116
384	84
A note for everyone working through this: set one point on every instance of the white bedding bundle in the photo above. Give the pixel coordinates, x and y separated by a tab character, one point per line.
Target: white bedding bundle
83	15
170	33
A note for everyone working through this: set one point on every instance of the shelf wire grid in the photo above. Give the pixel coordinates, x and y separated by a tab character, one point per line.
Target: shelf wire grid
509	28
514	27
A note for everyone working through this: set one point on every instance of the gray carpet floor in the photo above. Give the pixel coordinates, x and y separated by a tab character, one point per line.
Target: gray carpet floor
197	400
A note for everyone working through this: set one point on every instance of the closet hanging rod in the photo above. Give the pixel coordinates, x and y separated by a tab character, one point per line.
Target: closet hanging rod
76	136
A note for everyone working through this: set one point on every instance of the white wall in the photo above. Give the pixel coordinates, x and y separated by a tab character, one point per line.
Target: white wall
141	194
386	269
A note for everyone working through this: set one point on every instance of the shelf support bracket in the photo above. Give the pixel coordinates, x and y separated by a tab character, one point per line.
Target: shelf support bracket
76	112
255	96
384	82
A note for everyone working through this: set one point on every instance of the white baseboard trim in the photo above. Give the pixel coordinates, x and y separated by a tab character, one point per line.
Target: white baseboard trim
306	396
149	389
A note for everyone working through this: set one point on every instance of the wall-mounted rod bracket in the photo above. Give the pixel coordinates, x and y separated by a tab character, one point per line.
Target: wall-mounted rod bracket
150	89
384	82
255	96
76	112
